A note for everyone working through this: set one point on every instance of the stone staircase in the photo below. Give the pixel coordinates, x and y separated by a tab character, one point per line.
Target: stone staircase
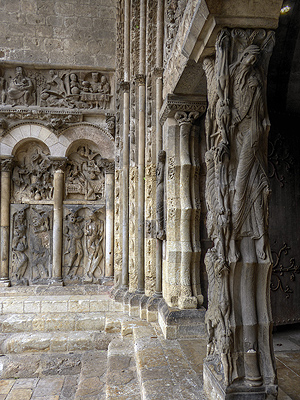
83	333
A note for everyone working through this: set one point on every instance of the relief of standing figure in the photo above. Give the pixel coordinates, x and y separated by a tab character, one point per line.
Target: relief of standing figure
94	230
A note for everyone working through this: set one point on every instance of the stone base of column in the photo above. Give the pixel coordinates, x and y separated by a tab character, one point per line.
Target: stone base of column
118	293
143	307
187	303
134	304
216	389
56	282
4	282
152	308
180	324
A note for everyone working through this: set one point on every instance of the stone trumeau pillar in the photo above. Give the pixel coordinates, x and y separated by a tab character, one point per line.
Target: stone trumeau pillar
240	360
6	165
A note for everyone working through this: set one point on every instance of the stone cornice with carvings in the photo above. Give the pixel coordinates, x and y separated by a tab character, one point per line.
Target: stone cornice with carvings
174	103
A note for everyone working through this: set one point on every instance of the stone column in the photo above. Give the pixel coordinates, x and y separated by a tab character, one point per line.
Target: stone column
185	121
239	264
125	191
6	166
109	216
58	196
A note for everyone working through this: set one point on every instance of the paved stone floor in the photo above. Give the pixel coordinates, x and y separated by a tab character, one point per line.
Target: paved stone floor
89	384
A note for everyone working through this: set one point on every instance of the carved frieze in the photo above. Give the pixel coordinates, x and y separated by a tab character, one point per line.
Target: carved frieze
83	239
56	88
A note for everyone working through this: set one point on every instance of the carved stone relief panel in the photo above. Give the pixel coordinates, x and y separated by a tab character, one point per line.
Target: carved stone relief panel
83	244
32	174
85	174
56	88
31	244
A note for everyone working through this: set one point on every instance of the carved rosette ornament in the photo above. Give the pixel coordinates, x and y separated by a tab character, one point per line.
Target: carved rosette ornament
238	319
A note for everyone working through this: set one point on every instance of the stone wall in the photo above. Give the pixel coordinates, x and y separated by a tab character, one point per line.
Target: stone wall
73	32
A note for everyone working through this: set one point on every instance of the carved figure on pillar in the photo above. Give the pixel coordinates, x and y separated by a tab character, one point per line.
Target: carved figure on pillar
160	175
237	192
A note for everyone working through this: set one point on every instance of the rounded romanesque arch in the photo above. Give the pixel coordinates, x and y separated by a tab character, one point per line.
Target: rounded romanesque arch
9	144
95	135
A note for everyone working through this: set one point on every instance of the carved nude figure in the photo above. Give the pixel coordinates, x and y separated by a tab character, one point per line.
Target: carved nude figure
74	235
94	230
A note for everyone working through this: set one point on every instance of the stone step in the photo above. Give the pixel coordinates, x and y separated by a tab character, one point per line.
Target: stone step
26	342
82	365
121	380
120	323
49	322
164	371
57	304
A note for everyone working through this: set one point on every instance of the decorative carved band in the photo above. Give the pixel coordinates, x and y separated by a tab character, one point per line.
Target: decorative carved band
174	103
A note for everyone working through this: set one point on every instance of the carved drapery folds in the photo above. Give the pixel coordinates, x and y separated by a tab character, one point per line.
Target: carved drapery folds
237	192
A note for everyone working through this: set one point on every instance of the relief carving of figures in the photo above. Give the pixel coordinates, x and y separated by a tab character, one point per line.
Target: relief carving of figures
40	242
32	175
85	174
21	89
31	244
84	240
160	176
94	230
55	88
19	246
74	239
237	192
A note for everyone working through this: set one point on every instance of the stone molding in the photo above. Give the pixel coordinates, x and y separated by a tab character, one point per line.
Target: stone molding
174	103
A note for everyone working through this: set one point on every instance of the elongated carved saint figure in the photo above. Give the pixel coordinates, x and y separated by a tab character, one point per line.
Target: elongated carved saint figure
237	193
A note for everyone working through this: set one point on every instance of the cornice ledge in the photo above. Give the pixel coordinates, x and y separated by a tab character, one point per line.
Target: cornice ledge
174	103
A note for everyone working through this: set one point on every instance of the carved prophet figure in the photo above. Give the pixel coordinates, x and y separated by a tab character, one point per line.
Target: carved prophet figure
161	234
237	192
74	251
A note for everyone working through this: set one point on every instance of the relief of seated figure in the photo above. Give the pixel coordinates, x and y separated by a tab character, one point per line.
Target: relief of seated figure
21	89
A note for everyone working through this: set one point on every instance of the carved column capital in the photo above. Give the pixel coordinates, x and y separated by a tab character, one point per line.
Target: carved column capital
158	72
109	167
140	79
187	104
183	117
58	163
125	86
7	164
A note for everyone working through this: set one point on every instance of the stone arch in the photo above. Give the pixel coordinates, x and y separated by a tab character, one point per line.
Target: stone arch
93	134
57	145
